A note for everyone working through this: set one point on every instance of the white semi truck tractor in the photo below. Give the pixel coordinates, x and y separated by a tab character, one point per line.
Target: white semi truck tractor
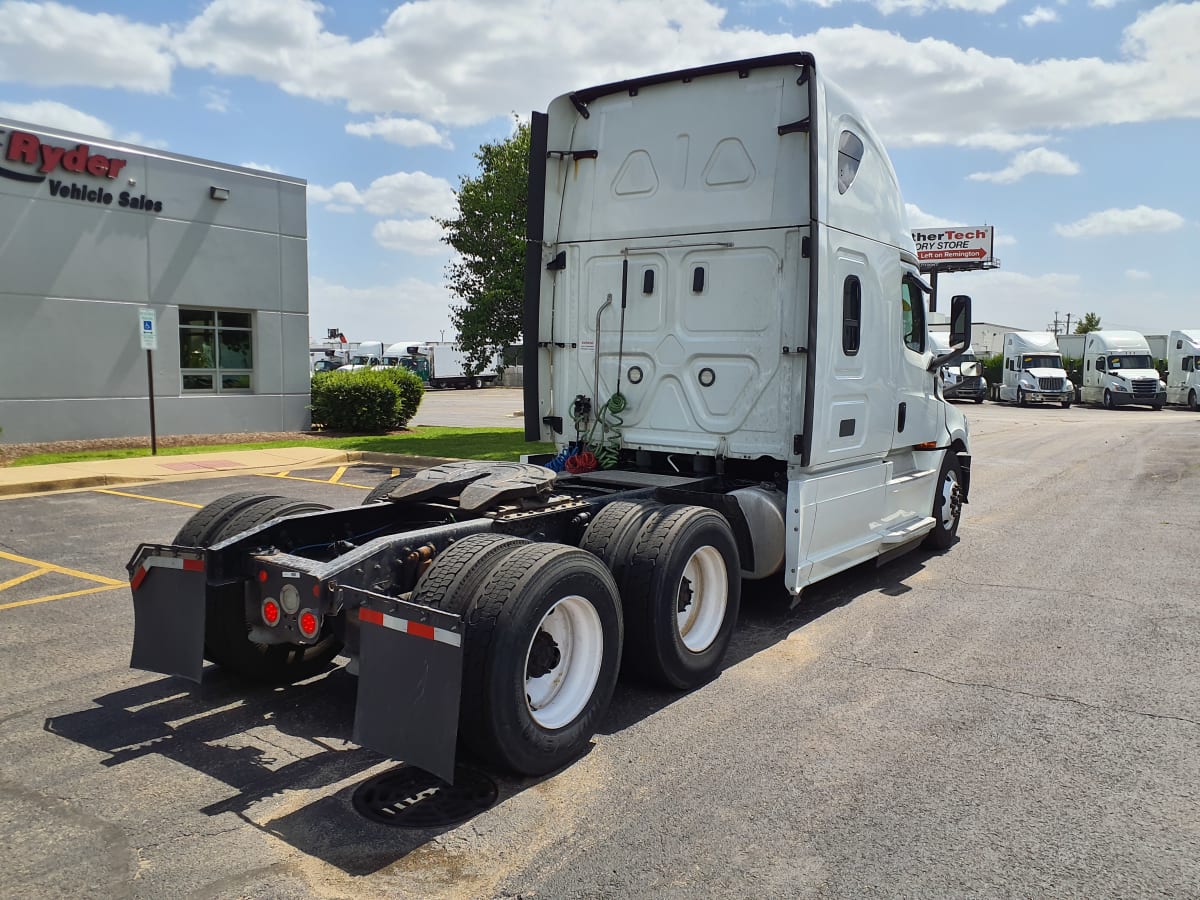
1183	368
1118	370
726	338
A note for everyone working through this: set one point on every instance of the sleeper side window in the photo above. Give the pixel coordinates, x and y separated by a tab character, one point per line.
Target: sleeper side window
850	154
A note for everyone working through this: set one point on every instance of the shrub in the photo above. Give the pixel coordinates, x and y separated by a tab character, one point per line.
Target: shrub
993	369
362	401
365	400
411	389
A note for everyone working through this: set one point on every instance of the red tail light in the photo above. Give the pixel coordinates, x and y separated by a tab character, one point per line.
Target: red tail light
270	611
309	623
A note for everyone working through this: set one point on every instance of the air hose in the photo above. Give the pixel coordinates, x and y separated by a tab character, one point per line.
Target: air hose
607	446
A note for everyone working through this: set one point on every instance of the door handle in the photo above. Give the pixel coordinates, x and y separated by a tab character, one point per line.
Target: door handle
901	415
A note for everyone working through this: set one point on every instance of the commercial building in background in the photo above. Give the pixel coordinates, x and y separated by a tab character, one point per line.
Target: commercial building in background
94	231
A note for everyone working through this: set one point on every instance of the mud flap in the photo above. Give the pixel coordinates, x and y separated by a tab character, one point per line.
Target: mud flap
409	681
169	591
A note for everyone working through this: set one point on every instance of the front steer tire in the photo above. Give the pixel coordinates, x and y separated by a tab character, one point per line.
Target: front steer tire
947	504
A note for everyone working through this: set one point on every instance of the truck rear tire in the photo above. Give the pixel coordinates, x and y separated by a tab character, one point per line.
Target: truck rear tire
379	493
681	592
612	533
456	573
947	504
226	632
199	530
541	653
477	383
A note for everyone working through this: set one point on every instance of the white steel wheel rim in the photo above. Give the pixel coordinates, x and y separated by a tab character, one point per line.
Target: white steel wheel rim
556	698
947	507
707	580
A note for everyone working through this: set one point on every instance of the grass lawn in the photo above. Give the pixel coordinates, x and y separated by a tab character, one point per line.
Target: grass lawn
460	443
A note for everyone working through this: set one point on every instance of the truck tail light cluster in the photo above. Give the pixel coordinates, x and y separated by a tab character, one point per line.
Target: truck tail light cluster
309	623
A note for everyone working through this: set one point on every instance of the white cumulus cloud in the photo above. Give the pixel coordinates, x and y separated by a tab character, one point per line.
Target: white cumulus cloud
406	132
1038	16
53	114
1139	220
422	237
1038	161
52	44
409	308
1137	275
401	193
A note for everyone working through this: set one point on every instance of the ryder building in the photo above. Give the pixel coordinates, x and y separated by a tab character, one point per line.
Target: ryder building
94	231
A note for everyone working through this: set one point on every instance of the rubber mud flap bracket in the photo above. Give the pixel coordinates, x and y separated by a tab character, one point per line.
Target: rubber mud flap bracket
409	681
169	594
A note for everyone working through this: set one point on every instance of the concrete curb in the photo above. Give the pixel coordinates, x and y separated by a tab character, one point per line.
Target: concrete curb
32	480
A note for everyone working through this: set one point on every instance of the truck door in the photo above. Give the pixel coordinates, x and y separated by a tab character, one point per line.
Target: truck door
917	410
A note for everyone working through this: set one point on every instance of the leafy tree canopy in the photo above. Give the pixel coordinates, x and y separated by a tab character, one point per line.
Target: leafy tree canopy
489	237
1090	322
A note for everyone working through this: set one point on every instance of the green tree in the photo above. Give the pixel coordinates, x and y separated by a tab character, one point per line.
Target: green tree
489	237
1090	322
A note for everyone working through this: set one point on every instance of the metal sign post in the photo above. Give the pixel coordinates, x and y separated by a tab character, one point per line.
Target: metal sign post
147	330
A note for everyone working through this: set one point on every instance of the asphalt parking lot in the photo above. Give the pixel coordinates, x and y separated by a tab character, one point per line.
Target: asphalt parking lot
1019	716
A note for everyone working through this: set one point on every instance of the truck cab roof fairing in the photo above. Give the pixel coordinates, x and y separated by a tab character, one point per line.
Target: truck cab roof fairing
582	98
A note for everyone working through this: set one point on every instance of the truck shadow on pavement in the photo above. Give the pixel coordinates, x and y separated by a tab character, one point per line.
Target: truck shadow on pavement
279	746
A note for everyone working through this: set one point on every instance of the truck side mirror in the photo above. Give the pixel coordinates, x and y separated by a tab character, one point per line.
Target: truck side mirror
960	331
970	369
960	321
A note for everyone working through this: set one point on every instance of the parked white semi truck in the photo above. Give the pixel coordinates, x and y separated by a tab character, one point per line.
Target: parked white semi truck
1033	370
1118	370
1183	368
962	379
722	305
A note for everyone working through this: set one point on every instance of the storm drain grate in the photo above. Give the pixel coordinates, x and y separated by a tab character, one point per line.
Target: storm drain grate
408	797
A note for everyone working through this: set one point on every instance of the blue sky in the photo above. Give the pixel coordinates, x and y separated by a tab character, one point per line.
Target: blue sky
1068	125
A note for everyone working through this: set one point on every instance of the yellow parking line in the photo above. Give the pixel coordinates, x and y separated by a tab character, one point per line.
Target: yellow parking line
313	480
94	590
395	471
144	497
336	477
21	579
61	570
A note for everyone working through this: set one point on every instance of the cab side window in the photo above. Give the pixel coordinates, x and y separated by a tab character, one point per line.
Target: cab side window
912	312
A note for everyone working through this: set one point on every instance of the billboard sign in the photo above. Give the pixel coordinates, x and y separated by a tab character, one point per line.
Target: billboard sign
959	246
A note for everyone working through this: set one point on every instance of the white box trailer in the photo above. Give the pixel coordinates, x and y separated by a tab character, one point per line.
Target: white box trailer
1183	368
1118	370
450	367
1033	370
722	310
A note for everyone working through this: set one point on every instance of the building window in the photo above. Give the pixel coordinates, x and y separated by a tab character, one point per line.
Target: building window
851	315
216	351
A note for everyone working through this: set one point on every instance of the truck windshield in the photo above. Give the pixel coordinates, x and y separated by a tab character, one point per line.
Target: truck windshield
361	361
1043	361
1130	361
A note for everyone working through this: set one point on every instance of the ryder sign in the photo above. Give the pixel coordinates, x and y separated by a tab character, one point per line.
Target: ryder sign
29	159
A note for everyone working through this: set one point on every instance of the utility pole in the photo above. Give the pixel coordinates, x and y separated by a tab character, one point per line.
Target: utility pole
1054	326
1068	323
